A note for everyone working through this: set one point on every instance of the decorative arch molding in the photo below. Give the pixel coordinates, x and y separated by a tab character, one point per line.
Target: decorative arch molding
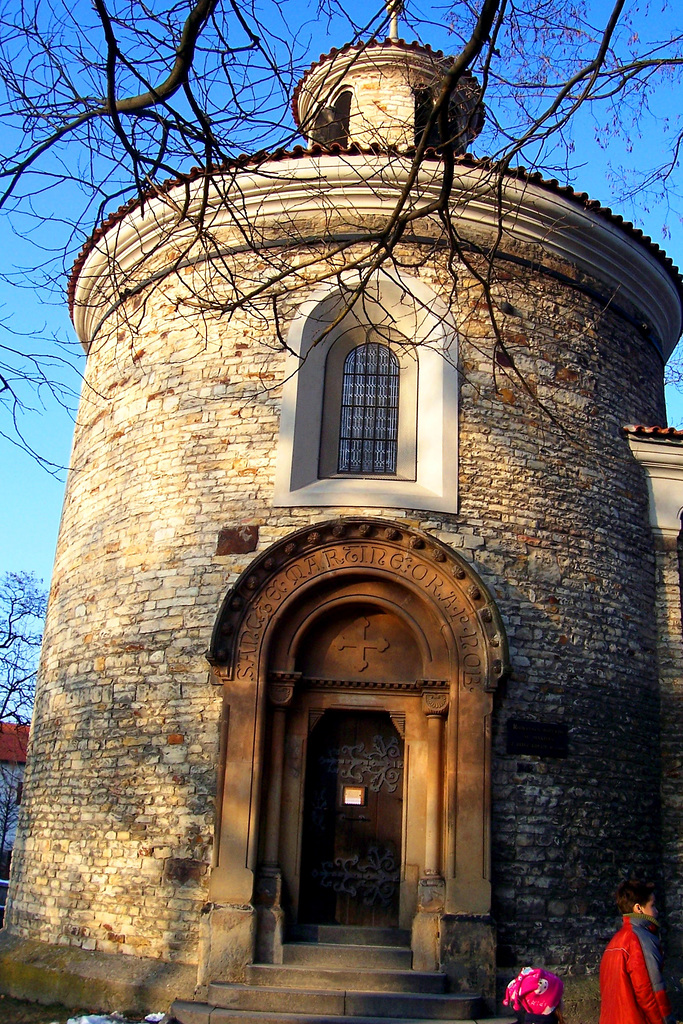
369	548
305	597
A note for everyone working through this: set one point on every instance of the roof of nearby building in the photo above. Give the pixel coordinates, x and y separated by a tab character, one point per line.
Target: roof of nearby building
654	433
581	199
13	742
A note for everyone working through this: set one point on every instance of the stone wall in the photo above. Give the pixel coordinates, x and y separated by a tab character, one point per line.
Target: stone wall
175	443
569	556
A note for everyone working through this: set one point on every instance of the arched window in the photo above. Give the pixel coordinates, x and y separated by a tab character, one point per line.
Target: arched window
464	118
370	400
424	104
332	123
368	429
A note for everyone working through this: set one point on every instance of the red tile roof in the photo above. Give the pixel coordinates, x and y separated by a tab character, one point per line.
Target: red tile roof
13	742
654	433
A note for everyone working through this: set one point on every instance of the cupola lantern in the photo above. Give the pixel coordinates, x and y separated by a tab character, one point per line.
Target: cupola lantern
381	95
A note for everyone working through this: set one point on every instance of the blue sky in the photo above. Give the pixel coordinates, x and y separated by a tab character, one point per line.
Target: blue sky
31	497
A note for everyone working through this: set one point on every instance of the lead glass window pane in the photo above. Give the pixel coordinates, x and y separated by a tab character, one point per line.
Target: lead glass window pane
368	433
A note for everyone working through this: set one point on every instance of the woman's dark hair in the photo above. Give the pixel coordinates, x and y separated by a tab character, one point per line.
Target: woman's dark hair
631	892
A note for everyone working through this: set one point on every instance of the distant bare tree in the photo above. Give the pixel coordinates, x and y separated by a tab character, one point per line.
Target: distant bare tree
13	742
22	610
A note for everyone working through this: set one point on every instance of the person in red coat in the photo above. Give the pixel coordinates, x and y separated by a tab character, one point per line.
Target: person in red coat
632	988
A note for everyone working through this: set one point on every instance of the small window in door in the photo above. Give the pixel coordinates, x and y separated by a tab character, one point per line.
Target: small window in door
354	796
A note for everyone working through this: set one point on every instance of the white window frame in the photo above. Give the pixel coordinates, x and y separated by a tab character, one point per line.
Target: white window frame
404	307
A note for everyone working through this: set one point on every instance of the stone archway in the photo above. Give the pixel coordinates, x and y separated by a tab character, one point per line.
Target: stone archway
366	616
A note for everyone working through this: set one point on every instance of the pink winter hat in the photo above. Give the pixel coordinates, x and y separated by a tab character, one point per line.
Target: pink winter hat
535	990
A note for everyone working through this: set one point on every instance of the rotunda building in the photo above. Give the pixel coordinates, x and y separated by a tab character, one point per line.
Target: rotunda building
364	629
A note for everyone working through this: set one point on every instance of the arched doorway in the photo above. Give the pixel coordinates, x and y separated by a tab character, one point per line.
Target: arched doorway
361	647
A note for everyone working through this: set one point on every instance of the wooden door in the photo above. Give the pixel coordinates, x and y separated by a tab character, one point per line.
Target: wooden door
351	844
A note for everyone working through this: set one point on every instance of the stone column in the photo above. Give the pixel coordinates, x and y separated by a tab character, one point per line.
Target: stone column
280	696
660	452
431	887
435	707
227	928
268	894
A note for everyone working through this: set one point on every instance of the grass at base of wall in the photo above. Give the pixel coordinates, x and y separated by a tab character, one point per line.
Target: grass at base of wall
21	1011
17	1011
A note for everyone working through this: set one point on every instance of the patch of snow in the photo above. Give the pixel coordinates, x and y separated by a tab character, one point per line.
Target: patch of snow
93	1018
113	1018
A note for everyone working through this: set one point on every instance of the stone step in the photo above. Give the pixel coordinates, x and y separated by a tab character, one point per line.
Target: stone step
428	1006
284	1000
203	1013
365	980
412	1005
332	954
349	935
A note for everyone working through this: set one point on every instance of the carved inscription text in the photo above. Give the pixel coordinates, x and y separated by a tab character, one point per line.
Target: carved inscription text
455	604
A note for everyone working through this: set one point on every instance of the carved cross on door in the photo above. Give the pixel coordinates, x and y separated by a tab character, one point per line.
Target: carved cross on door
357	639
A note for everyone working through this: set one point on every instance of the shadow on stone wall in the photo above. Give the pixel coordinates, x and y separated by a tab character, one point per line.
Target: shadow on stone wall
673	974
582	999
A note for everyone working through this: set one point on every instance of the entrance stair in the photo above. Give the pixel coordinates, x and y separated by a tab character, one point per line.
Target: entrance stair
336	975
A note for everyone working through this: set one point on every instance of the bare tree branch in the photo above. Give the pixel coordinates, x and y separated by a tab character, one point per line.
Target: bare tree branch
22	609
101	103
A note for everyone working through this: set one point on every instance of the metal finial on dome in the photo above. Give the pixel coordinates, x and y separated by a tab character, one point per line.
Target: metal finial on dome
394	8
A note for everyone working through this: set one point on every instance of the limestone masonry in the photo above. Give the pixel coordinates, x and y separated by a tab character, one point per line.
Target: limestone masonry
497	619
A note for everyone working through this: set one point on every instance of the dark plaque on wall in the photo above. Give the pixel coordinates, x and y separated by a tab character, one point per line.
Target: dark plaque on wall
543	739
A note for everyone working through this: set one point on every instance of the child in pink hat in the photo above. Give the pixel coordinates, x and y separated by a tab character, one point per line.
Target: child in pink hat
536	995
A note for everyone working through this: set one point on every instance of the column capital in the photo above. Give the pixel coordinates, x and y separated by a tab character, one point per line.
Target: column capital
435	703
281	689
219	674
